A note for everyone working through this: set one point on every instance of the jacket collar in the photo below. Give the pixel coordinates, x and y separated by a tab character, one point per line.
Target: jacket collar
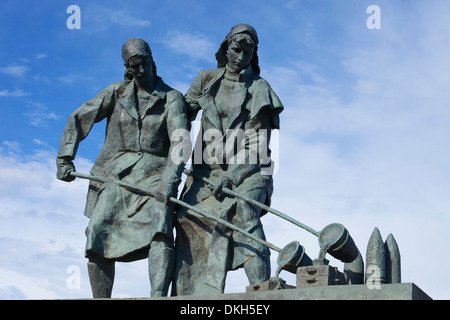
245	76
207	102
127	98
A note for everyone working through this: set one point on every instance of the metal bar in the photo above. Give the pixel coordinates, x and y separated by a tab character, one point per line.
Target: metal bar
257	203
225	223
181	203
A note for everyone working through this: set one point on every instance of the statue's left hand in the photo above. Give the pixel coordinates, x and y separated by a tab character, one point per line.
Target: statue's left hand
161	197
224	182
64	167
162	192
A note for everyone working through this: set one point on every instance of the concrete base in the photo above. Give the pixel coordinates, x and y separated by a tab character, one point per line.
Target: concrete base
397	291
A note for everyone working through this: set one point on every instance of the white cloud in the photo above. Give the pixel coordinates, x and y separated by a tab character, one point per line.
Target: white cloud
375	155
42	226
14	70
41	56
100	18
196	46
71	79
42	232
12	147
14	93
125	18
39	116
16	286
40	143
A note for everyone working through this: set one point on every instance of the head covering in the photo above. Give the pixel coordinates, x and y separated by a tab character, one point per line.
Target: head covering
136	47
221	55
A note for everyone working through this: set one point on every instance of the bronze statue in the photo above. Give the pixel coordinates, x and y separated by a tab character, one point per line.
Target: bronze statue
142	112
239	111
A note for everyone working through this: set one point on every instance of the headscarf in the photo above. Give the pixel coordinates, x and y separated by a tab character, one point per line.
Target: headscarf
136	47
221	55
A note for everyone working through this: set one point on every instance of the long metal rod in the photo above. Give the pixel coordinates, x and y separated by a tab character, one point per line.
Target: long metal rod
181	203
225	223
257	203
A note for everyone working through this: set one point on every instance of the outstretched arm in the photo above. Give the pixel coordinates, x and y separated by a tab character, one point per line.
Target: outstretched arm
78	126
180	147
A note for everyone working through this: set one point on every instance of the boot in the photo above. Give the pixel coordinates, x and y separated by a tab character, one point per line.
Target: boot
101	276
161	259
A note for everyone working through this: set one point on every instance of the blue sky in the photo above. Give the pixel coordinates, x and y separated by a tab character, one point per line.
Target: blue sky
364	136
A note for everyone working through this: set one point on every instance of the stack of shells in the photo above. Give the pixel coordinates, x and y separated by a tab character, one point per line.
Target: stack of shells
382	262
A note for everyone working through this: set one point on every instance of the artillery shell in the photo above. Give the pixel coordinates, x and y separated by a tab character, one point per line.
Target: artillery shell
375	259
393	266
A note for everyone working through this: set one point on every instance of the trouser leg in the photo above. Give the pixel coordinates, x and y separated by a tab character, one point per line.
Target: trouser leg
218	261
161	260
101	276
257	264
257	269
219	257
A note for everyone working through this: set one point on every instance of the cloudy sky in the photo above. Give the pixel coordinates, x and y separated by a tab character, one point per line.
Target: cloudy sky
364	136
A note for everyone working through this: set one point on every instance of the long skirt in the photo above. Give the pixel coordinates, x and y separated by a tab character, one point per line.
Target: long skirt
206	250
123	223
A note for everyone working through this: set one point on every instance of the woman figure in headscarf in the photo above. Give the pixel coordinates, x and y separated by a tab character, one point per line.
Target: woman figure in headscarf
239	110
142	113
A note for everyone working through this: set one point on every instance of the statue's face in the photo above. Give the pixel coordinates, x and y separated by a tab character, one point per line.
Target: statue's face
141	68
239	55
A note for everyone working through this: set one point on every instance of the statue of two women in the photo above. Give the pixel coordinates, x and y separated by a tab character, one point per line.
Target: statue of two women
239	110
237	103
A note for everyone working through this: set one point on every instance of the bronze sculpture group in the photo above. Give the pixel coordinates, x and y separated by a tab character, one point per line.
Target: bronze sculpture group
142	149
132	201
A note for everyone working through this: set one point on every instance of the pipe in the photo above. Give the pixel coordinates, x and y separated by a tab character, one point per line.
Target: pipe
256	203
179	202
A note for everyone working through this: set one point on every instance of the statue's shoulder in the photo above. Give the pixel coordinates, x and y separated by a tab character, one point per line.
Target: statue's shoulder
259	83
206	76
115	87
171	93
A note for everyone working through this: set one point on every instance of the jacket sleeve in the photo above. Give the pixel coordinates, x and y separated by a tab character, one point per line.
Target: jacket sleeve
253	151
192	94
180	146
81	121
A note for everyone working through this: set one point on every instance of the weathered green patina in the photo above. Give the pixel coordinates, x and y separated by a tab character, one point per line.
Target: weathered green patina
141	113
232	97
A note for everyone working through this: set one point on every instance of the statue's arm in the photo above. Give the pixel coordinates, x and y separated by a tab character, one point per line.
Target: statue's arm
178	127
255	153
248	160
192	95
78	126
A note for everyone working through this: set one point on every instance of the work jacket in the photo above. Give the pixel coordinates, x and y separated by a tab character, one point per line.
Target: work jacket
137	150
252	107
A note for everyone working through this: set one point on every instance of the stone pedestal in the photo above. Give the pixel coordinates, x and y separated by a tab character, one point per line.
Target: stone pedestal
395	291
271	284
